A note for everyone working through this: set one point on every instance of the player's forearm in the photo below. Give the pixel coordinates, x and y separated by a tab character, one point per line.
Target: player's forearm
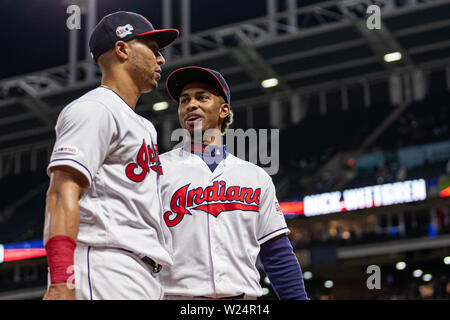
283	269
62	214
61	232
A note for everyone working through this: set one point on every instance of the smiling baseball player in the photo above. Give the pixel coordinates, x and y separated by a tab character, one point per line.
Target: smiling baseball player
222	212
104	233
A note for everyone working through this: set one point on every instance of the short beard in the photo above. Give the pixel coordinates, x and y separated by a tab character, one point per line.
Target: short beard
142	79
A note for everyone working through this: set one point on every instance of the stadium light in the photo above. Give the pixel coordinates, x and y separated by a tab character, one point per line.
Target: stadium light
267	280
447	260
427	277
328	284
393	56
307	275
401	265
159	106
417	273
265	291
269	83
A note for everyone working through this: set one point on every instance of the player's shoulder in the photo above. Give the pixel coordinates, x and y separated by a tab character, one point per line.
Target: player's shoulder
236	161
148	123
172	155
89	104
247	166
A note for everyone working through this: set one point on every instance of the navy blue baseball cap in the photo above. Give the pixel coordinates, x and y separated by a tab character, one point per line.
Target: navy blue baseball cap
125	26
179	78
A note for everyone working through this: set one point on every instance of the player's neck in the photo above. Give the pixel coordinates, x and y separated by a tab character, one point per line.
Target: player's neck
213	137
127	91
213	142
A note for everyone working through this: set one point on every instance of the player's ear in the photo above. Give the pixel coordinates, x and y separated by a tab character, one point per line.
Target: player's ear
122	50
224	110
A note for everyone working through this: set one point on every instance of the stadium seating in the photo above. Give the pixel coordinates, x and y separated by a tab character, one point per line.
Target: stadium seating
22	218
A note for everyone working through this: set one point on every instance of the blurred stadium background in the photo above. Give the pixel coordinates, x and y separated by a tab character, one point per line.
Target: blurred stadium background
364	176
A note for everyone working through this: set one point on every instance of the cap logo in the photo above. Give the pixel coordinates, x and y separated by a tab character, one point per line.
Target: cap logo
123	31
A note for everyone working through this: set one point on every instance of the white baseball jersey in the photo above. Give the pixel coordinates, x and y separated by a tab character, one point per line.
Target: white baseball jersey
218	220
115	149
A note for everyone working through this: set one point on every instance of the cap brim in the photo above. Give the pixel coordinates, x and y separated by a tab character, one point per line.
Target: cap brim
163	37
178	79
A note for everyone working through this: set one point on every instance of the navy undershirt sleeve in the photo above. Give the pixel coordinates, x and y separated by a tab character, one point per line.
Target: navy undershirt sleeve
283	269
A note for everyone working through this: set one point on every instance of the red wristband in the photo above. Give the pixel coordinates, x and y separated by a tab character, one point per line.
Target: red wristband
60	250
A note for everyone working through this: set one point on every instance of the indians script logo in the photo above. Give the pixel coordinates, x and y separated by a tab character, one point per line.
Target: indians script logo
147	158
213	199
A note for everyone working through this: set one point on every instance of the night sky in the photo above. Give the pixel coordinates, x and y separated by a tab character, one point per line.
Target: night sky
35	37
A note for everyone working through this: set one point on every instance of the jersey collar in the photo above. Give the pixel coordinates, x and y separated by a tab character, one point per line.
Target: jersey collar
211	155
118	96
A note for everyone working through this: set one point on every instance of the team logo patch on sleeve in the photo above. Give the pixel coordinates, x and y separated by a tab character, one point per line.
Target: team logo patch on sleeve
66	150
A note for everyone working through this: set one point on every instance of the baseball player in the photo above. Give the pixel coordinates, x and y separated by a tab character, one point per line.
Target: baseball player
222	212
104	233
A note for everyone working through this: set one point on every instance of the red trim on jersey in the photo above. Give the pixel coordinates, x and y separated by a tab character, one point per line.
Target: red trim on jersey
216	208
